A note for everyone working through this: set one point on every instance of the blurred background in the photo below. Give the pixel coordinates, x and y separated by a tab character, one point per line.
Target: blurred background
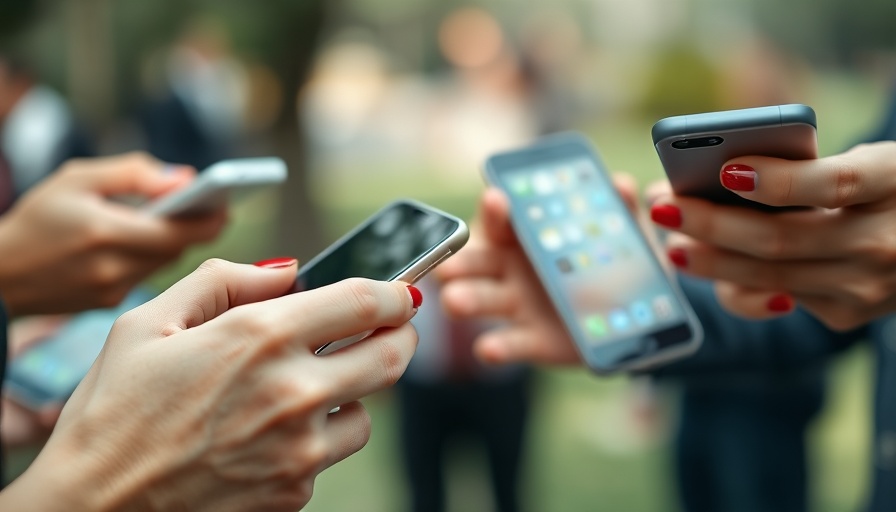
370	100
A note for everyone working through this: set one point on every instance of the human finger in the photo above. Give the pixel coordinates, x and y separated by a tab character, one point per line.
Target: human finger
753	303
370	365
525	344
347	431
863	175
494	214
216	287
313	318
795	235
130	174
477	297
628	190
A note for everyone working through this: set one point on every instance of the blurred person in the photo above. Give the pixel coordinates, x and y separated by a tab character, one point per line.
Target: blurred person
447	397
210	397
65	247
741	439
38	131
832	259
200	110
202	386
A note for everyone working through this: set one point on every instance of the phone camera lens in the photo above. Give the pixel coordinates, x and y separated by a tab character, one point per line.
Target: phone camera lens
681	144
700	142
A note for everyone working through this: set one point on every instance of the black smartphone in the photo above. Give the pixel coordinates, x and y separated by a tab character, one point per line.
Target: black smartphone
693	148
618	304
401	242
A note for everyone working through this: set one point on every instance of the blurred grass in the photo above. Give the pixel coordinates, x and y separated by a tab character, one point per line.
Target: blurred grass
583	452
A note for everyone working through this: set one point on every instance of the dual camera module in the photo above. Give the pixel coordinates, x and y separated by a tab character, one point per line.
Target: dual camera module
699	142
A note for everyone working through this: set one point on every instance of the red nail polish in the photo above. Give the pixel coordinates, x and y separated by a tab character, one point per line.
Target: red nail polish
416	296
666	215
739	177
276	263
781	303
678	257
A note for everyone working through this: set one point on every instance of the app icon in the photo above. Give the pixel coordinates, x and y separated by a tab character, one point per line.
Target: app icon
603	255
564	266
584	172
550	239
573	234
536	212
614	223
592	229
641	313
557	208
595	326
619	320
519	186
583	260
565	177
601	198
543	183
578	205
662	306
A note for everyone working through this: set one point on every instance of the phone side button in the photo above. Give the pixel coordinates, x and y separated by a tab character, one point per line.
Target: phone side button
430	267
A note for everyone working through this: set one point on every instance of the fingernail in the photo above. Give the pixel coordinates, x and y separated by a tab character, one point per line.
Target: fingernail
666	215
416	296
739	177
781	303
276	263
678	257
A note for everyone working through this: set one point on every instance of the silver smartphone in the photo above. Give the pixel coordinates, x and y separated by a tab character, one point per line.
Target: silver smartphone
214	186
693	148
401	242
618	305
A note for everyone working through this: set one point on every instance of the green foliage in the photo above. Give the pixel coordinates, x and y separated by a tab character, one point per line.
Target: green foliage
682	81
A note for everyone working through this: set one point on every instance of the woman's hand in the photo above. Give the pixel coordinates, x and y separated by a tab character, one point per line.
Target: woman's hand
65	246
837	258
210	397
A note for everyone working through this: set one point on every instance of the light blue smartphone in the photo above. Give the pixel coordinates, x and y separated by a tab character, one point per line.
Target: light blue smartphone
693	148
48	372
618	304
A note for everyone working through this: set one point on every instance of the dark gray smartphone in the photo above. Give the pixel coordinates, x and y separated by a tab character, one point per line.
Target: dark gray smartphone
618	304
401	242
693	148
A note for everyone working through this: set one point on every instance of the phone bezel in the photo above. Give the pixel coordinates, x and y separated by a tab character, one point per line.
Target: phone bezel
412	272
212	187
782	131
601	358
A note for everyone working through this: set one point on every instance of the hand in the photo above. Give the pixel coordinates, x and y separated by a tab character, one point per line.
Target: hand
492	277
67	247
210	397
837	258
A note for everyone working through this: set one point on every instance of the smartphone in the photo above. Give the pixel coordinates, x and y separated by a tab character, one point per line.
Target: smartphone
693	148
214	186
617	303
49	371
401	242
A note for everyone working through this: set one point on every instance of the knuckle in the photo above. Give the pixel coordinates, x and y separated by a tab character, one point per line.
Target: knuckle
847	182
393	361
306	395
260	330
139	159
213	266
363	299
869	293
774	244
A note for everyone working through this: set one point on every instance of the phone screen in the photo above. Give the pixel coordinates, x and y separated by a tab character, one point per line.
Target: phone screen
50	370
382	248
614	296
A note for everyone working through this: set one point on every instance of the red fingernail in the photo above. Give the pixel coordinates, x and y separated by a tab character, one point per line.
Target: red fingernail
781	303
666	215
739	177
678	257
276	263
416	296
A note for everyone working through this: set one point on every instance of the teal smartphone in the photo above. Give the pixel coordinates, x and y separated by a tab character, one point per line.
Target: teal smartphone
693	148
617	303
48	372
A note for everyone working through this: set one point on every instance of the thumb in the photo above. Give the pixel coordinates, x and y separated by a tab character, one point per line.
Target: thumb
131	174
218	286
